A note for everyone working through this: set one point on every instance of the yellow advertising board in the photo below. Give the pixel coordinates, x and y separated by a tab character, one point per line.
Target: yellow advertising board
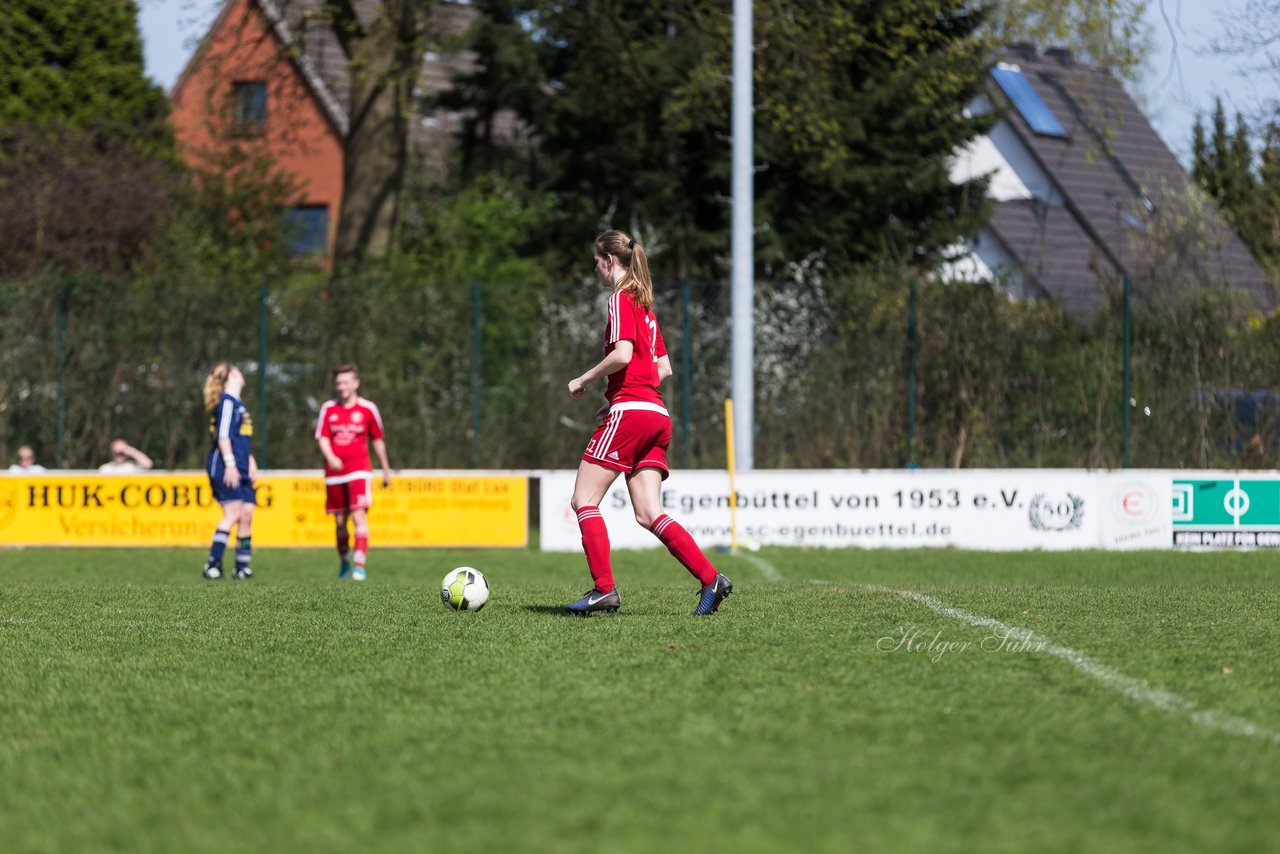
177	509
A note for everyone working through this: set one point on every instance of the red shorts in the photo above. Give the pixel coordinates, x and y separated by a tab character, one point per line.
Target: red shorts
353	494
633	436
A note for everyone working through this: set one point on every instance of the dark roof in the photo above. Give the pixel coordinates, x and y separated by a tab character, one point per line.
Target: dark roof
320	45
1110	161
301	26
1056	254
315	40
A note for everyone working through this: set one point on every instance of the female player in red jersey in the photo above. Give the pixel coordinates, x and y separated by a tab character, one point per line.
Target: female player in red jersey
634	431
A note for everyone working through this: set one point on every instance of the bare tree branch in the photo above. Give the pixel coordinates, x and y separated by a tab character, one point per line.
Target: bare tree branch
346	24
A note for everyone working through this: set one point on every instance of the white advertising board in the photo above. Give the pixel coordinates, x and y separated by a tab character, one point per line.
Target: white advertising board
974	509
1135	509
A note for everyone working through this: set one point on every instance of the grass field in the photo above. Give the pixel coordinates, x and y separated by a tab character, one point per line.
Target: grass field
144	709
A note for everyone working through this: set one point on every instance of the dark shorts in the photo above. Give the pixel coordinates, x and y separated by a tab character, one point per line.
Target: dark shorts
244	492
632	436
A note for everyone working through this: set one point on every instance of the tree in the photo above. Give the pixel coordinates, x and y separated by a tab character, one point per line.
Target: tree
859	108
87	171
1268	246
1222	164
384	52
78	62
1109	33
1249	198
1252	29
862	107
72	202
507	74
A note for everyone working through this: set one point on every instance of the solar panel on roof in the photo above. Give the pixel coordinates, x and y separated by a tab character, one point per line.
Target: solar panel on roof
1029	104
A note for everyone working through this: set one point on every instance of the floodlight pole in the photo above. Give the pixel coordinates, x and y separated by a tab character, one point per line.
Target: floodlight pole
743	223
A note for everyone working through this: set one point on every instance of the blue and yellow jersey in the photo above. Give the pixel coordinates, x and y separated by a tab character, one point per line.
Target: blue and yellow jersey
230	420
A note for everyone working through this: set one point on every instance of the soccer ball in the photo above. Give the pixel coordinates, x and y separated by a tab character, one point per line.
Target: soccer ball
464	589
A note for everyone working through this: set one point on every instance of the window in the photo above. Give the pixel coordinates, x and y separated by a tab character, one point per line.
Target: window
1028	104
249	102
308	230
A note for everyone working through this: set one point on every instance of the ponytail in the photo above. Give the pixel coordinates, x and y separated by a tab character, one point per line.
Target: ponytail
636	281
214	384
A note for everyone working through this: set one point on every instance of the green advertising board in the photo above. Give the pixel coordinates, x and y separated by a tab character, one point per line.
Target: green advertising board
1235	512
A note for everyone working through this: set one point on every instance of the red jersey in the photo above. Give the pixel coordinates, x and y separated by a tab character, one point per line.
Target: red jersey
629	322
346	428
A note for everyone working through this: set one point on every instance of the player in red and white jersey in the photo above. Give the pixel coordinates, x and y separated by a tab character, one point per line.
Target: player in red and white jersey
345	426
634	431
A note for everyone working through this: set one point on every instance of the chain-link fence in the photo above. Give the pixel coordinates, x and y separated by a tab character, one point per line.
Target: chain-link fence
472	375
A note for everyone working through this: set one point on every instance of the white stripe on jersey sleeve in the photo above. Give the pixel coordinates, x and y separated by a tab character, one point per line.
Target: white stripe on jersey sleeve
373	407
324	410
614	307
224	419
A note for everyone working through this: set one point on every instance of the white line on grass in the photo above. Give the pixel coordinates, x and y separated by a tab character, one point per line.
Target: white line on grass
1134	689
767	569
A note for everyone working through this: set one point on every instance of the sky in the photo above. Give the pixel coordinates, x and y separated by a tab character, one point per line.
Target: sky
1181	80
1184	75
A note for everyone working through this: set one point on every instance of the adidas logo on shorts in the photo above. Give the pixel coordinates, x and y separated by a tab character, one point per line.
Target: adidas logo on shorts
613	455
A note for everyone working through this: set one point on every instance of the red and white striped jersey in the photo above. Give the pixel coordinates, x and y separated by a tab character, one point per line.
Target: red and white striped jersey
629	322
348	428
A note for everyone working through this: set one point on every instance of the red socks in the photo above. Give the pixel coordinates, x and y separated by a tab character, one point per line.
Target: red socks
683	548
595	542
362	550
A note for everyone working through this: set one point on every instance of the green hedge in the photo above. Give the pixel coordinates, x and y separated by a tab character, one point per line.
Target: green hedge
999	382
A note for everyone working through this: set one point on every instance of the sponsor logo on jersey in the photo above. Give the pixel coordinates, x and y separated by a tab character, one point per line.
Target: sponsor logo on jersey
356	417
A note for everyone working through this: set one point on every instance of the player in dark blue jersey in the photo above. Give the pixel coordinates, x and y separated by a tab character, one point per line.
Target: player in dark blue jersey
231	468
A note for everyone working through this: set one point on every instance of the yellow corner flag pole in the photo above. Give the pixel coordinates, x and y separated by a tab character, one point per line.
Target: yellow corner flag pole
733	493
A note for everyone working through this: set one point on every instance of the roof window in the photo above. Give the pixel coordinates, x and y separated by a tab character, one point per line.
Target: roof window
1028	103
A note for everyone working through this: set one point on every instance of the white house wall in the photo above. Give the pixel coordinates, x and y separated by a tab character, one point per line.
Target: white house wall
984	259
1014	175
1014	172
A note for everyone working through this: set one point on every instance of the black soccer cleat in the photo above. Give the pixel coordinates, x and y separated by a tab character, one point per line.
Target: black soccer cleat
593	600
712	595
212	571
242	573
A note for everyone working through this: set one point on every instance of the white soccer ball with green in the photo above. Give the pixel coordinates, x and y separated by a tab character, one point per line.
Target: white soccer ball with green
465	589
